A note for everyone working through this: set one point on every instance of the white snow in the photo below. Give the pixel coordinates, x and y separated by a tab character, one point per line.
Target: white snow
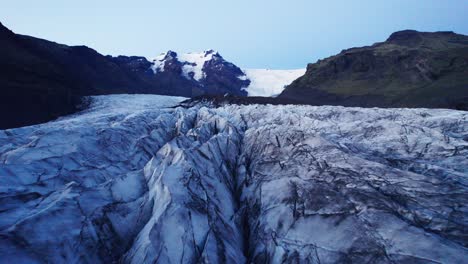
263	82
192	63
266	82
158	63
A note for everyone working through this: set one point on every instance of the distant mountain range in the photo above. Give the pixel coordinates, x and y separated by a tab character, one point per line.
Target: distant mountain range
216	76
409	69
207	71
41	80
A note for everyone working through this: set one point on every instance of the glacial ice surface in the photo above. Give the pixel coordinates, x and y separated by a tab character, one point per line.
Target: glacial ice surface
136	180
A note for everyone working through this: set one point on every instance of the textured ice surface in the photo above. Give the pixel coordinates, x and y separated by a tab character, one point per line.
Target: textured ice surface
135	180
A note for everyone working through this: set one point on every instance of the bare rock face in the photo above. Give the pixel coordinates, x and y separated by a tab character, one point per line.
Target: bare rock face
222	77
135	180
409	69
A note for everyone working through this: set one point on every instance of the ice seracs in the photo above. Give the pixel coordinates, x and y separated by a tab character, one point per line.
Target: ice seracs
137	179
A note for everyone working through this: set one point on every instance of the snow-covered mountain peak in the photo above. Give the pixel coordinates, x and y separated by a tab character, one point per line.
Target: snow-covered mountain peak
209	64
192	63
207	71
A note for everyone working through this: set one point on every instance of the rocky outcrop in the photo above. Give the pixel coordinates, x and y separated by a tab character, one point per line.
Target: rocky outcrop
410	69
222	77
132	180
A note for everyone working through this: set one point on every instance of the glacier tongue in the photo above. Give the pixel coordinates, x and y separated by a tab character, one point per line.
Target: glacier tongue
137	181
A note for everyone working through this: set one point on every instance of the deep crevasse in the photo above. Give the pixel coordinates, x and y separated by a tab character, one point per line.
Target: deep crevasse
133	181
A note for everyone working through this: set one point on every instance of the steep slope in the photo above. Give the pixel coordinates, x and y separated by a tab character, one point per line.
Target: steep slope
42	80
134	180
409	69
33	89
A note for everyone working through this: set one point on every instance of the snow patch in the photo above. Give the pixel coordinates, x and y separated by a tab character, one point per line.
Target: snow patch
192	63
158	63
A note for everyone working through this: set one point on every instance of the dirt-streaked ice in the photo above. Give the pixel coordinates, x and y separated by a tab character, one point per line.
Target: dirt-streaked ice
136	180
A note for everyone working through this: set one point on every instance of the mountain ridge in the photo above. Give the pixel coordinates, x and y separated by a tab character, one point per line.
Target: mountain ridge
41	80
409	69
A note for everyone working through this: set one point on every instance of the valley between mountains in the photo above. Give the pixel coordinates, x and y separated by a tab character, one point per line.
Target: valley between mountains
41	80
149	178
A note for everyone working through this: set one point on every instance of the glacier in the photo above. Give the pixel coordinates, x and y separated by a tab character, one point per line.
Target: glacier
148	179
268	82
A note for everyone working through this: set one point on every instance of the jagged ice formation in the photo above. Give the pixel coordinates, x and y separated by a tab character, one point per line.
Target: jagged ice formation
135	180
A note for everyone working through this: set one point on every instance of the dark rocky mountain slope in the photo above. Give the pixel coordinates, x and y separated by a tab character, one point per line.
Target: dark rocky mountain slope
41	80
409	69
33	87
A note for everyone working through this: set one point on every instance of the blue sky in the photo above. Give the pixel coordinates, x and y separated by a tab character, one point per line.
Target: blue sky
251	33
